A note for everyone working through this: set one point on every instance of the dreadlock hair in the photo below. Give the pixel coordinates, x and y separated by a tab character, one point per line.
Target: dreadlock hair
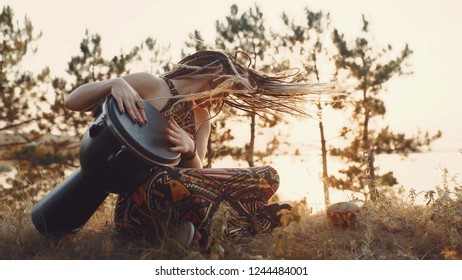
243	88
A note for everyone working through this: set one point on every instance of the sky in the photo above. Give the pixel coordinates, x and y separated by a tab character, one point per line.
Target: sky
428	100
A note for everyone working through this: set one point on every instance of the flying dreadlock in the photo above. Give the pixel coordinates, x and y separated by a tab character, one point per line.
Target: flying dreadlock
243	88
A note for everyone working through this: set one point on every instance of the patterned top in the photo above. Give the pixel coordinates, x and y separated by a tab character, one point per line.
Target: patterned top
181	111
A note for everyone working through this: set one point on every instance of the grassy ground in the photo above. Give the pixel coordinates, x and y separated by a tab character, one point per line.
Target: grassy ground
388	229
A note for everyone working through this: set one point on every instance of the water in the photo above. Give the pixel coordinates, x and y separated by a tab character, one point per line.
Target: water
421	172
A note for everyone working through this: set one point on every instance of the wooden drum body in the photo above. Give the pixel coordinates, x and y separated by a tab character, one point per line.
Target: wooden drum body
120	153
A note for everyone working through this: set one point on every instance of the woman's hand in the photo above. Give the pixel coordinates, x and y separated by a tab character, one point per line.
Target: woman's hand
128	100
179	138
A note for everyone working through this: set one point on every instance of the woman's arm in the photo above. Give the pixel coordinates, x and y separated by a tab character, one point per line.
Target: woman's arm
87	96
126	91
193	152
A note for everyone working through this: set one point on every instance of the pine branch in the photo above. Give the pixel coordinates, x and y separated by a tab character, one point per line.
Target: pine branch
20	124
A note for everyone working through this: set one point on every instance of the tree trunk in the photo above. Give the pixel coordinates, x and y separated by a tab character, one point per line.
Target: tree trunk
325	174
370	153
372	182
251	147
210	154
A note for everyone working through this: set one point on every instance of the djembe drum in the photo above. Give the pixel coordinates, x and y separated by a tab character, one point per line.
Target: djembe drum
116	156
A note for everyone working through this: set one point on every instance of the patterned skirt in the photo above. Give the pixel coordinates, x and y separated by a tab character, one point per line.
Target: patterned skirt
195	194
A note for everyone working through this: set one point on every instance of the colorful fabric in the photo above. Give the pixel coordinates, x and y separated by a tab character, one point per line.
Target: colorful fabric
195	194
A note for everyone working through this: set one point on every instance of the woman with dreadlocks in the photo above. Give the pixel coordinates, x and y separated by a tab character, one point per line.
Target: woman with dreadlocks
189	192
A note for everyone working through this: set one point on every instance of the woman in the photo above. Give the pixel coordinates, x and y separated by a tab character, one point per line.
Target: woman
185	96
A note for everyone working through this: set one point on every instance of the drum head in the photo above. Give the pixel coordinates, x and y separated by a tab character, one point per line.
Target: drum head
147	142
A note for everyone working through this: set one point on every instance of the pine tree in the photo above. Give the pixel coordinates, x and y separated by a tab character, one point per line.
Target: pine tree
307	40
247	32
21	91
24	112
370	70
153	57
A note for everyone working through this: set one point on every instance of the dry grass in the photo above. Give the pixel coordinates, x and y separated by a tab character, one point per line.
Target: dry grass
97	240
388	229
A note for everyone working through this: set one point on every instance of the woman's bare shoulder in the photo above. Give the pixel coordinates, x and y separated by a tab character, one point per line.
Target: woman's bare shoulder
144	83
201	114
202	117
142	76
